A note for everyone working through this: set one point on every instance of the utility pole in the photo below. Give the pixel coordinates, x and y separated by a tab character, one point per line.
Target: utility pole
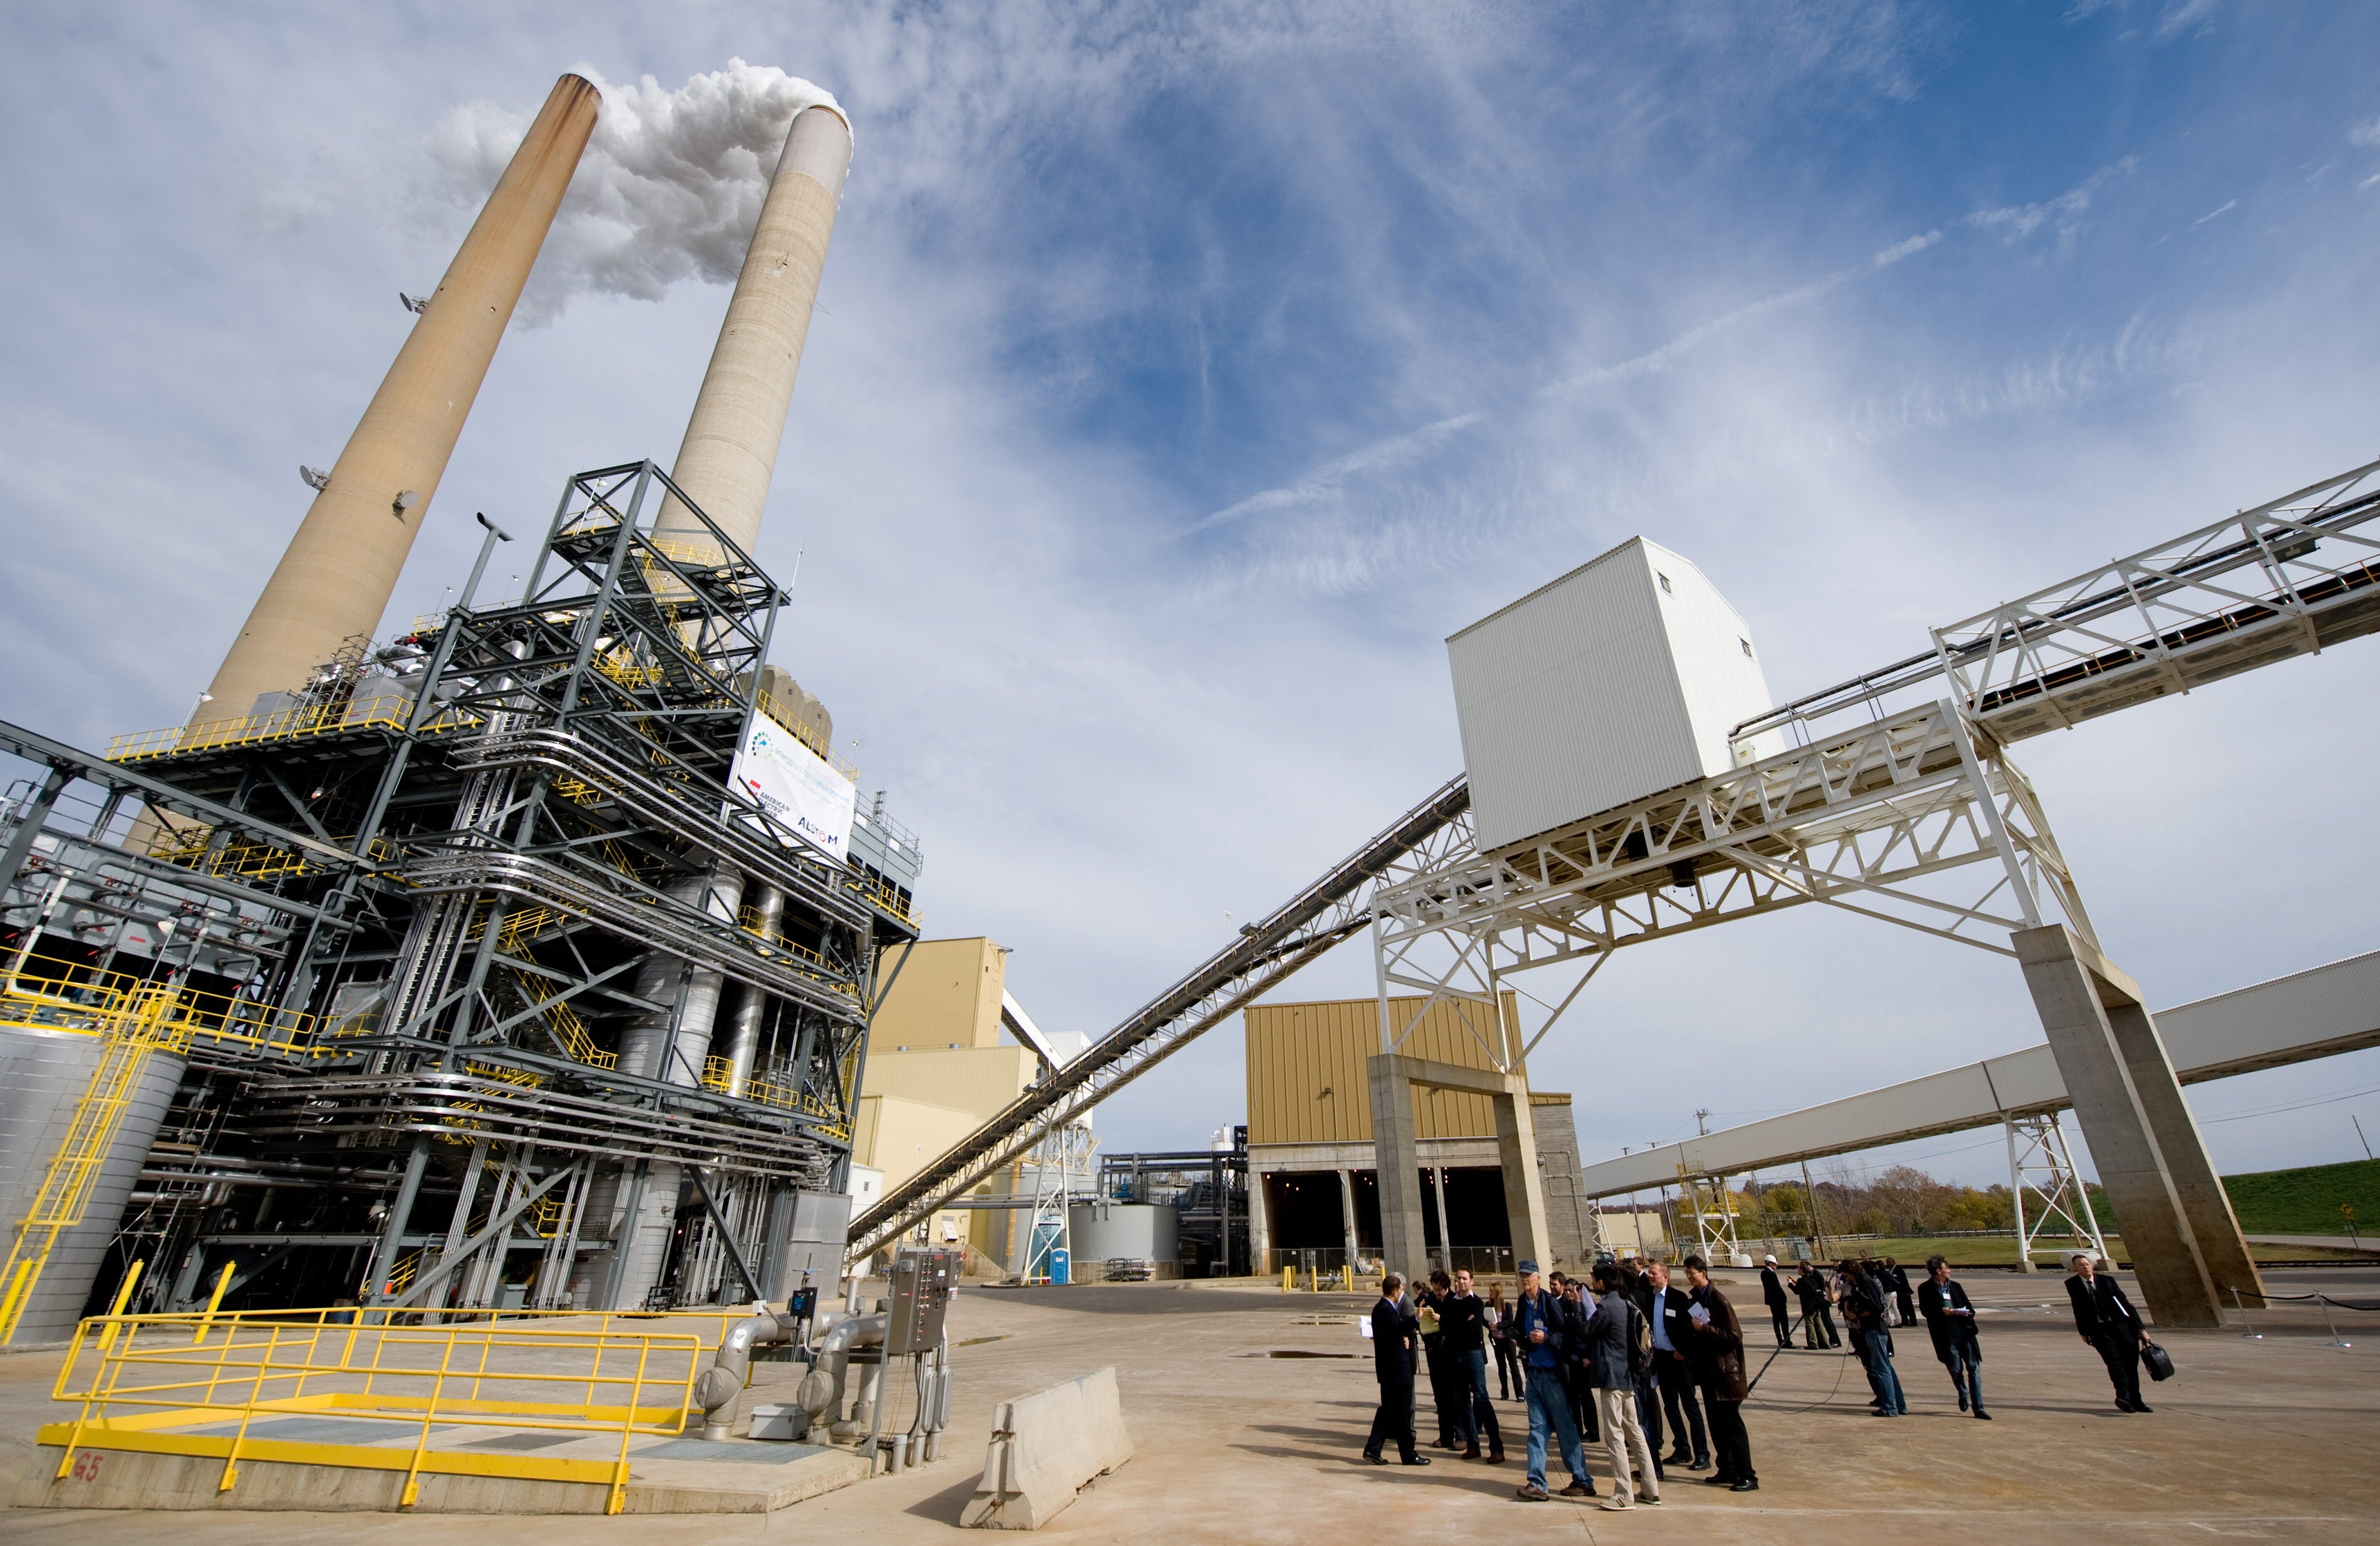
1810	1201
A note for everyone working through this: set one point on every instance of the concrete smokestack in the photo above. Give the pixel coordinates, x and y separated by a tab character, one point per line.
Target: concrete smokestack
739	416
336	578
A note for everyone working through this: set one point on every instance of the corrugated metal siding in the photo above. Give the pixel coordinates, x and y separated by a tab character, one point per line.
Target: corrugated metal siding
1296	1052
899	1136
1720	685
43	1075
1597	689
948	991
978	1080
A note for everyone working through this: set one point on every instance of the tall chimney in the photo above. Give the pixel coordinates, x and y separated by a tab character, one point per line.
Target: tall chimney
336	578
739	416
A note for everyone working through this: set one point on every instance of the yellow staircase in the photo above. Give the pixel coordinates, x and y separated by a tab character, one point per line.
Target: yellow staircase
145	1025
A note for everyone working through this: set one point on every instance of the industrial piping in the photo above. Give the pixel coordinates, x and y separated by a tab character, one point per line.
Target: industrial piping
336	579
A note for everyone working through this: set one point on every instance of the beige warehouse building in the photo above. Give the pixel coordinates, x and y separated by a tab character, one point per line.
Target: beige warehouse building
1313	1181
937	1070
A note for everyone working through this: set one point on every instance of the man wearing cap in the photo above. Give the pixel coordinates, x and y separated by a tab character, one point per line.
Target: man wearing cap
1550	1332
1772	1288
1396	1339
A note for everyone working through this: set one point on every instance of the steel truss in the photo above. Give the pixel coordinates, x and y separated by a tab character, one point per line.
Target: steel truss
1703	1200
2040	1164
515	810
1266	954
1856	819
1864	821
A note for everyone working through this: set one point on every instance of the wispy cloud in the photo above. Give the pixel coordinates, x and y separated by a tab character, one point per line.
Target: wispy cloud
2225	208
1332	480
2063	215
1391	453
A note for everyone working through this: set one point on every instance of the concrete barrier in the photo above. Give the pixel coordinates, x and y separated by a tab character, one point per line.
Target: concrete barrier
1044	1448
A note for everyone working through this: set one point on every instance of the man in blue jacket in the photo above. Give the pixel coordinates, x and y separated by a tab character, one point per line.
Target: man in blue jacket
1549	1332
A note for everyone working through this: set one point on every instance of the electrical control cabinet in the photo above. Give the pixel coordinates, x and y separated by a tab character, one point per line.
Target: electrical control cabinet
922	1285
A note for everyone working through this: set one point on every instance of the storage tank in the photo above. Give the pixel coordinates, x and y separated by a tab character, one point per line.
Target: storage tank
43	1074
1146	1232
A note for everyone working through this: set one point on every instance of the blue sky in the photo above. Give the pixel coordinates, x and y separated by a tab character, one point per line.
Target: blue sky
1185	374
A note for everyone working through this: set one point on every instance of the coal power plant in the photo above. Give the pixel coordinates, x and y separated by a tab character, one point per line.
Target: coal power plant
517	956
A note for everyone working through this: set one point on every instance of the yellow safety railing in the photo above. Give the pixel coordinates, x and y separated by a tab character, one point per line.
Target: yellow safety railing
144	1384
883	895
576	1038
314	720
145	1025
48	992
718	1074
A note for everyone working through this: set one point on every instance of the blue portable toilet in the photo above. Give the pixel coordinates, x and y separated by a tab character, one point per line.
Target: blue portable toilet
1058	1265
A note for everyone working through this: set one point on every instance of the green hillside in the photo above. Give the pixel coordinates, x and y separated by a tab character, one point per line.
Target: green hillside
2307	1201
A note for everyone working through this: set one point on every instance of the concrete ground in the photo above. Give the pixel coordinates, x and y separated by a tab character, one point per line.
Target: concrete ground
2271	1439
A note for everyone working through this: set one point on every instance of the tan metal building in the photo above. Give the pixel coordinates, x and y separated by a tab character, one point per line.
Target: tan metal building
937	1070
1313	1181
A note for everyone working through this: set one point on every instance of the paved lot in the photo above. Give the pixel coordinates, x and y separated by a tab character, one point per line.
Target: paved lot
2273	1439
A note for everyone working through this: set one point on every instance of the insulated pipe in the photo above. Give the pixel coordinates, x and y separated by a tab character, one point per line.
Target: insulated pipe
744	1035
669	1046
721	1382
822	1388
335	580
730	451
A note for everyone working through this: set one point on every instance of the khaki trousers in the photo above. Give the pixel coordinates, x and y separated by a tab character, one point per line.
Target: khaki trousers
1621	1430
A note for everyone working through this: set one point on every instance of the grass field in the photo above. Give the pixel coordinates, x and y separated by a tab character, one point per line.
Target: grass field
2307	1201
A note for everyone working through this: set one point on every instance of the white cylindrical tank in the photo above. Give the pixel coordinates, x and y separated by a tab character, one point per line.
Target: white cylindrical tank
43	1075
1140	1231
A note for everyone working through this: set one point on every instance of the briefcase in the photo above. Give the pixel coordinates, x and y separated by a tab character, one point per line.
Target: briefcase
2159	1362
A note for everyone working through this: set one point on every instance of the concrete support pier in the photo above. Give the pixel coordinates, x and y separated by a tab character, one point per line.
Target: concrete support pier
1393	1077
2174	1216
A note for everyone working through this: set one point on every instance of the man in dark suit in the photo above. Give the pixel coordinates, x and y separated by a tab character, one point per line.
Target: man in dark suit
1396	1343
1772	1288
2109	1322
1667	1310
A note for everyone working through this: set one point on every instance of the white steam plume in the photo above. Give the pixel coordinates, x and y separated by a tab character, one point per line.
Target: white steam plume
670	186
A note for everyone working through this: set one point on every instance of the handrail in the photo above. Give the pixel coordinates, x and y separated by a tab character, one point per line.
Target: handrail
152	1385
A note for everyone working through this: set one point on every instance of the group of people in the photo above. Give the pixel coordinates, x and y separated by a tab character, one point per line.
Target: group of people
1875	1296
1602	1360
1627	1356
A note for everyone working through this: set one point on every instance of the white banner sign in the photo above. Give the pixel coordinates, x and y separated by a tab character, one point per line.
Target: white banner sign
794	785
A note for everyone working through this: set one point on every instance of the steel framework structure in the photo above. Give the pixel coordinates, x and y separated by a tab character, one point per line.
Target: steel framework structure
1879	795
1856	816
1266	954
503	844
2040	1163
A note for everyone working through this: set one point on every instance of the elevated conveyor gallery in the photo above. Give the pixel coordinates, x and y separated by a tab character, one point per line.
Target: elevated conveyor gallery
2312	1014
